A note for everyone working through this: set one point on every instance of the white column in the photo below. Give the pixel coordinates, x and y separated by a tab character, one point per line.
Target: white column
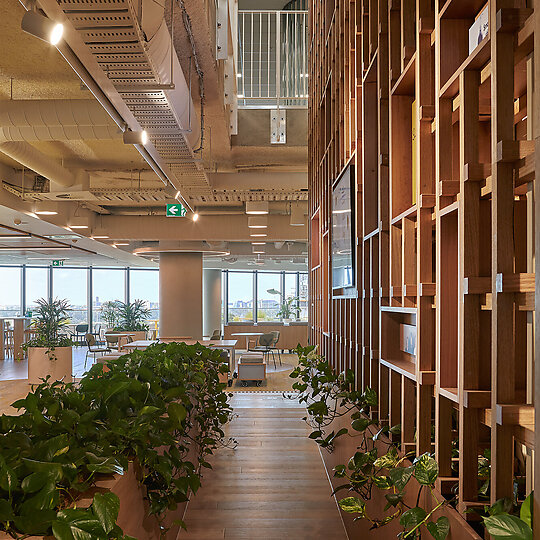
180	295
211	301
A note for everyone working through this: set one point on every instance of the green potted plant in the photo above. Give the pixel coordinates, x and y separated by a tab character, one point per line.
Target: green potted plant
50	349
132	317
110	315
289	306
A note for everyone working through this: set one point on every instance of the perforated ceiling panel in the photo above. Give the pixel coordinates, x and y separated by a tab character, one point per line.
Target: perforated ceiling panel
111	31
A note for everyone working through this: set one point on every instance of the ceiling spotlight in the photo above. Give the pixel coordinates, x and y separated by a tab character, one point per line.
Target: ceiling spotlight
135	137
257	222
42	27
257	207
195	217
46	208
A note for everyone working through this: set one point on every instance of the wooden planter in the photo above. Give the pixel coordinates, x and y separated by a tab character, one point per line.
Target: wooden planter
57	364
133	517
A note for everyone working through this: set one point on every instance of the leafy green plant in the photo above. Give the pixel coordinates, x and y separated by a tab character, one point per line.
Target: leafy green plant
49	323
162	409
401	477
110	313
329	396
132	316
289	306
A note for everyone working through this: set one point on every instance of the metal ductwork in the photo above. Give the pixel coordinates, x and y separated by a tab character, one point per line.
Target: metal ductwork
55	120
33	159
131	43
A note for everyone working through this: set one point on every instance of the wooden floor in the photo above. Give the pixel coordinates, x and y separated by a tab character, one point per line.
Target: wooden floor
273	486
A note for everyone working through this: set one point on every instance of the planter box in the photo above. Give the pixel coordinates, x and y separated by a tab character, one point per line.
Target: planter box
57	364
133	517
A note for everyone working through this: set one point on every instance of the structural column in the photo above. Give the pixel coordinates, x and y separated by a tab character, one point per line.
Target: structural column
180	295
211	301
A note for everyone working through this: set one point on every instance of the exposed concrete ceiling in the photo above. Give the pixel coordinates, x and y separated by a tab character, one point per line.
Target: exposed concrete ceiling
240	168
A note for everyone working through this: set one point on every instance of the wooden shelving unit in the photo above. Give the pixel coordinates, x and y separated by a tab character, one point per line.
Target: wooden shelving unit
443	144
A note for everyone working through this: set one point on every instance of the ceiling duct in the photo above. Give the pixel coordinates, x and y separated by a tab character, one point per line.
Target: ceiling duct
131	42
55	120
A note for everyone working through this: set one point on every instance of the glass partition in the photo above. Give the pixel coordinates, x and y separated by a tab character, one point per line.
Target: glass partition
72	284
10	291
240	297
37	286
144	285
269	296
108	285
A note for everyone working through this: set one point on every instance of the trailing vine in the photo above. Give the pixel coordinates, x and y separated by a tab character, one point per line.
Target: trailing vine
379	463
150	407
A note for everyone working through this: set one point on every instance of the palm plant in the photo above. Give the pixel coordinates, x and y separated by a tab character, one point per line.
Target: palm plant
110	313
132	316
50	319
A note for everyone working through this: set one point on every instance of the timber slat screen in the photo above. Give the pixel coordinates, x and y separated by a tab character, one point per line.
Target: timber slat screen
442	133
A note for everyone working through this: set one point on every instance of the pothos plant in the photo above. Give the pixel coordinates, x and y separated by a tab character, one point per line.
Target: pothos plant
162	409
378	463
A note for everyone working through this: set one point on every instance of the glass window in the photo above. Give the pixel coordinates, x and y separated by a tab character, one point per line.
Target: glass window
292	293
108	285
303	295
144	285
36	286
10	291
71	284
240	304
268	296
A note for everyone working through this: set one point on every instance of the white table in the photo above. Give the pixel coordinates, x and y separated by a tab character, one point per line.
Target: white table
248	335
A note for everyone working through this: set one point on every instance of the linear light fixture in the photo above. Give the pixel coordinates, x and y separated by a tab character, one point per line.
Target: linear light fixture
46	208
257	222
41	27
258	243
79	223
258	235
257	207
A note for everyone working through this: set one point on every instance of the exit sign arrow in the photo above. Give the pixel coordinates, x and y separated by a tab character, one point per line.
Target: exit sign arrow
176	210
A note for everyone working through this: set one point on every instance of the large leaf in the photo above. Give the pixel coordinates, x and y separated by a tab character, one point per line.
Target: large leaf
6	512
400	476
526	511
106	507
361	424
35	481
426	470
8	478
107	466
507	527
413	517
439	529
177	413
46	498
353	505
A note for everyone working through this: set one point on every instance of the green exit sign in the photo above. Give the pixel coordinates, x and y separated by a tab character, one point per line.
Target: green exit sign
176	210
58	262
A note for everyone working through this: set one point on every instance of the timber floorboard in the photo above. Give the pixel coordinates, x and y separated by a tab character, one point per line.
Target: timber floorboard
272	486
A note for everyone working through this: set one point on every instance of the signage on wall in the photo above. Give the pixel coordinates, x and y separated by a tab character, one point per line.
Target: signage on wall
58	262
176	210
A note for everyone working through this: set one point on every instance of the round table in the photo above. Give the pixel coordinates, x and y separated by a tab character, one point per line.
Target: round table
248	335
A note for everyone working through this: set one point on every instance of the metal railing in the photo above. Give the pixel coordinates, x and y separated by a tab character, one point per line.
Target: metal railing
272	59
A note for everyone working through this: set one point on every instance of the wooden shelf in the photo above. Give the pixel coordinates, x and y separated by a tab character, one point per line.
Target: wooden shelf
461	9
476	60
399	309
403	367
410	213
405	83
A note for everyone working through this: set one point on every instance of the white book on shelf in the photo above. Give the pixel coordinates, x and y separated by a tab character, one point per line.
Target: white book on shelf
479	29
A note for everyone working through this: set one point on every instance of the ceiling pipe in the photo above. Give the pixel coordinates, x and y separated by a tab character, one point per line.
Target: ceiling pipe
33	159
78	67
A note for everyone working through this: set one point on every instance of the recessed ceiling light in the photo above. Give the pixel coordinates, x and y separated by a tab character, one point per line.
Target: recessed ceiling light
257	222
258	243
195	217
260	235
79	223
121	244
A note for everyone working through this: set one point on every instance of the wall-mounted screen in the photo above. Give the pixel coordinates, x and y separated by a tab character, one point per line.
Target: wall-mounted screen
343	231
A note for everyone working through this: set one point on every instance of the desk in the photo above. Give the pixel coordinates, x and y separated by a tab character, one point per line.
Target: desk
226	344
248	335
19	325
